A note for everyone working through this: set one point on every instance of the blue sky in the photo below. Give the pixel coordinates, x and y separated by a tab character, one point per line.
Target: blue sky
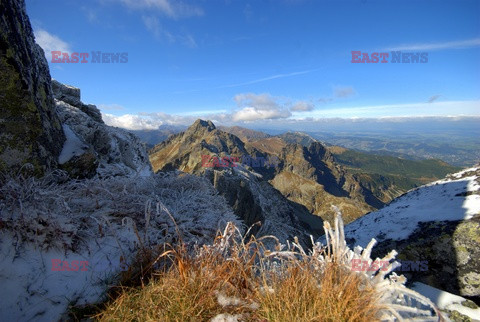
258	62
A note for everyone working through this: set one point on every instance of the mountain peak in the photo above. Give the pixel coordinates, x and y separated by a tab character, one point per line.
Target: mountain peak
201	124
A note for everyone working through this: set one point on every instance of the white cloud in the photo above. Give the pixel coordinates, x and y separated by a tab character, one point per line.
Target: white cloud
344	91
258	107
302	106
153	25
151	121
459	44
435	108
131	122
164	118
173	9
111	107
262	101
50	42
252	107
249	114
270	112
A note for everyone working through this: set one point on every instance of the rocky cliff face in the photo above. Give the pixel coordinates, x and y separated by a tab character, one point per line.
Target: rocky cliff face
311	177
71	96
263	208
30	130
310	174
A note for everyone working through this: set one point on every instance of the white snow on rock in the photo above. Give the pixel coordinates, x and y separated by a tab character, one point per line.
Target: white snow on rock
446	301
454	198
119	153
94	220
73	146
37	292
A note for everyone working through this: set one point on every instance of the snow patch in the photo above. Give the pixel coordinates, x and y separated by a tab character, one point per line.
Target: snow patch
443	200
72	147
446	301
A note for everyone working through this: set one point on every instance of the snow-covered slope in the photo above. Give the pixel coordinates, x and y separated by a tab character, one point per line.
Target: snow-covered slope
437	224
101	221
455	198
449	302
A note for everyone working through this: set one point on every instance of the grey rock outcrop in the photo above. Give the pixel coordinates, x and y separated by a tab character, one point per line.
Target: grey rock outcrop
30	130
255	201
71	95
93	147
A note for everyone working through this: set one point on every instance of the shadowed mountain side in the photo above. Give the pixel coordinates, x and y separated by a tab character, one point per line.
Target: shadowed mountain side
320	175
314	197
310	176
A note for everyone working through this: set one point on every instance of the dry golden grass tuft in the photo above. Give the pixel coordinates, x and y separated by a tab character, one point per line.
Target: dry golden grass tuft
245	281
336	294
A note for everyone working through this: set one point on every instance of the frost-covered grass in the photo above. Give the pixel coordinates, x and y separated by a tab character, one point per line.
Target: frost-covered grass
54	212
238	280
102	221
